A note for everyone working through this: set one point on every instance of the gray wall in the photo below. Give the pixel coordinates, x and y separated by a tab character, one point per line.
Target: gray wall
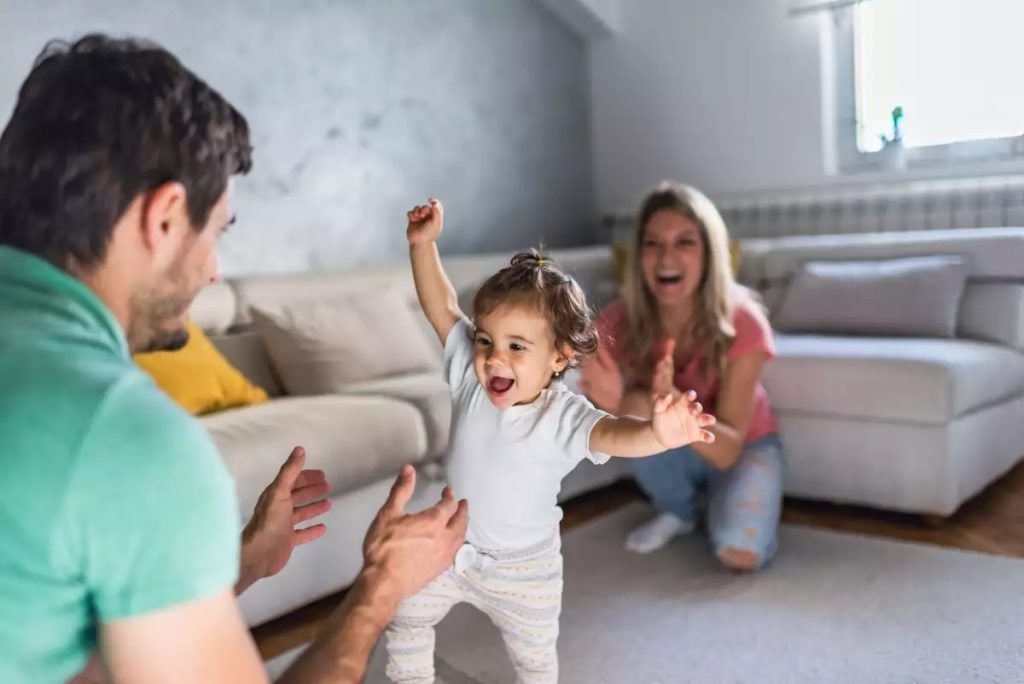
730	95
725	95
361	108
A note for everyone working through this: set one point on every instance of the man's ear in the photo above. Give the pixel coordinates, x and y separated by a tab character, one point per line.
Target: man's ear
164	215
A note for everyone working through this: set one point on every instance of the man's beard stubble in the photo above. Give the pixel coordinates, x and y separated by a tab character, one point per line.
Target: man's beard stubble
169	340
155	315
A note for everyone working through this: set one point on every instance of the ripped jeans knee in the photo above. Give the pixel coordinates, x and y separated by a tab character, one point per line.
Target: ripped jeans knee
745	506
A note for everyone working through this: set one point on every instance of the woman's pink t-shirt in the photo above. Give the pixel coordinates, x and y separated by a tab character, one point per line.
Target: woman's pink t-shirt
753	334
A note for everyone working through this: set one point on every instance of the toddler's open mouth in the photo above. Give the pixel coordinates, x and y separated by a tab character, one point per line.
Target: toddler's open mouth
500	386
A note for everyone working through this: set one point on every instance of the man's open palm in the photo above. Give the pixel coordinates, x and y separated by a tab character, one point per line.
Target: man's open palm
295	496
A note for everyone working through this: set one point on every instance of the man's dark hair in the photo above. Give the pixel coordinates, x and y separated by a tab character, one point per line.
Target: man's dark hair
98	122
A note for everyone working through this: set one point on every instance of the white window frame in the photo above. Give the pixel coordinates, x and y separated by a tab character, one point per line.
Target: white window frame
839	58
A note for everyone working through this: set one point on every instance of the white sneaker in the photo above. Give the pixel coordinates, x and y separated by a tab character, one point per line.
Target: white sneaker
657	532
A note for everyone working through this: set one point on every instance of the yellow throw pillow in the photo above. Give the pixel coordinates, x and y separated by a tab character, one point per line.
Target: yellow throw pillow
198	377
621	253
735	255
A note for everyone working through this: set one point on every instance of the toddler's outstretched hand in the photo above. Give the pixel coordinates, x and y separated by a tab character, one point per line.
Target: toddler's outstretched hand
678	421
425	222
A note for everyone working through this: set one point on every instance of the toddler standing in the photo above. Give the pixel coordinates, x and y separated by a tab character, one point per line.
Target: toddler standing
516	432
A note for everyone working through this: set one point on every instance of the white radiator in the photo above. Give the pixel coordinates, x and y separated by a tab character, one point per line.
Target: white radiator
919	205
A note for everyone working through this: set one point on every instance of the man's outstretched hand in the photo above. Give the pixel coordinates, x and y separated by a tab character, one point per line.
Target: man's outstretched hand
295	496
403	552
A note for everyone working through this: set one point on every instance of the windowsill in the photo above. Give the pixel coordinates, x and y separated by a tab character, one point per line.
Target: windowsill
874	172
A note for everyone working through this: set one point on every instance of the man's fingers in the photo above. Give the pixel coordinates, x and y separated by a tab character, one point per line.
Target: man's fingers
290	471
706	419
313	492
460	519
402	490
446	507
304	513
707	435
308	534
310	477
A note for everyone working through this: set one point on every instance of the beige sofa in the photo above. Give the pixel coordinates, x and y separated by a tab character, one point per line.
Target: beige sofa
902	423
360	437
909	424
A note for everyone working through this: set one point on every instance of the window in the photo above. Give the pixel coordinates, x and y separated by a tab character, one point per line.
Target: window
928	82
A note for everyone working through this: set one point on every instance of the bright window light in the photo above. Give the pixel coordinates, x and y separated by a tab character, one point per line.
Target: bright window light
953	66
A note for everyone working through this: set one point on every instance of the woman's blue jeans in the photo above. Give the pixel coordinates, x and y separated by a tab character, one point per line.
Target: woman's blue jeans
744	503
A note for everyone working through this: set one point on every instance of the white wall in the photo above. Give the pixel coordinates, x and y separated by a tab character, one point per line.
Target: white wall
360	108
728	95
591	19
724	94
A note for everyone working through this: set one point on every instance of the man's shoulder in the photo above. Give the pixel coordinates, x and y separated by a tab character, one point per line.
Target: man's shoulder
134	415
56	396
154	503
70	372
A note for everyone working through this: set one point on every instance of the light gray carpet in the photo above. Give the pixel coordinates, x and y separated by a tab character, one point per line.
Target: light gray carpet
832	608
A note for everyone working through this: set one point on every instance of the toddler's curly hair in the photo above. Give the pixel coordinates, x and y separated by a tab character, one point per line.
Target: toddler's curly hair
534	279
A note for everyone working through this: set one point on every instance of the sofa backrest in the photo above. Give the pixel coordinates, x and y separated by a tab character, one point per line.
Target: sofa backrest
224	310
214	310
992	307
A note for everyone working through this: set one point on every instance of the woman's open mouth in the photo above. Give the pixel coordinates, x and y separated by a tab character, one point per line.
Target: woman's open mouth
668	278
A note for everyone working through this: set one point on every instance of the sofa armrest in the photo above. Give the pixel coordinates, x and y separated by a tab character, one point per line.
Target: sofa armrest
355	440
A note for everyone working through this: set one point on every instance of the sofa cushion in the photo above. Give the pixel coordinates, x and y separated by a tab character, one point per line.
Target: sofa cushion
320	347
915	296
428	392
910	380
214	308
751	267
355	440
198	377
247	352
987	252
993	312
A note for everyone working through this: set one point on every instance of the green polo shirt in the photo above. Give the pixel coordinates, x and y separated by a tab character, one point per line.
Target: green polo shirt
113	501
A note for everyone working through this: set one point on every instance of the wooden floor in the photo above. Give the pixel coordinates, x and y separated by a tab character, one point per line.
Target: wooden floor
992	522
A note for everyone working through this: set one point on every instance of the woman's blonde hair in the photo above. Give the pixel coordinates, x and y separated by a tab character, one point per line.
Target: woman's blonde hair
717	293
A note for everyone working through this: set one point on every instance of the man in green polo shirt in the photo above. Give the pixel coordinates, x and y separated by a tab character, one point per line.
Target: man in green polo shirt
118	520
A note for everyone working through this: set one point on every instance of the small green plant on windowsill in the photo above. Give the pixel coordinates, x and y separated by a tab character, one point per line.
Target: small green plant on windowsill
897	129
893	153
